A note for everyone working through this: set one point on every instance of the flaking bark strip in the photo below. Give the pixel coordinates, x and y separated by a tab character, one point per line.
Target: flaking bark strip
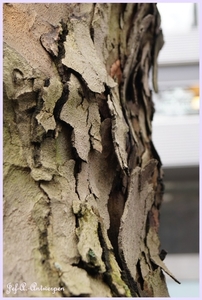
88	241
63	71
113	274
127	277
133	46
41	215
53	42
149	278
84	59
75	113
153	245
119	129
134	216
95	248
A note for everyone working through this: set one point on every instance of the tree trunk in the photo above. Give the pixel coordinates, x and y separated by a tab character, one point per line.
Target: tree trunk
82	179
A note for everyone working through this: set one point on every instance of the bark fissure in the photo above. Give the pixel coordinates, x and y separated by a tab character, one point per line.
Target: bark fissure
113	274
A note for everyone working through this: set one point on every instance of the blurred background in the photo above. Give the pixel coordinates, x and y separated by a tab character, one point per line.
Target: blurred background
176	138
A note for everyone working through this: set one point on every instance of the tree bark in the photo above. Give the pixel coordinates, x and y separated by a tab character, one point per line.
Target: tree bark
82	179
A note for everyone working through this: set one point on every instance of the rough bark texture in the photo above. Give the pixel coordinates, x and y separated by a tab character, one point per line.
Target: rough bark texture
82	180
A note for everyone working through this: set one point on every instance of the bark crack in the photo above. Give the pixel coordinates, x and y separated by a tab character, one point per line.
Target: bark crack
43	235
113	274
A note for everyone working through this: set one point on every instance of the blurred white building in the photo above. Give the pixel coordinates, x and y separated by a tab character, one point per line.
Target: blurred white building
176	122
176	138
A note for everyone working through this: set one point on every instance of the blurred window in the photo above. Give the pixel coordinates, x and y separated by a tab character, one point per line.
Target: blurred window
177	101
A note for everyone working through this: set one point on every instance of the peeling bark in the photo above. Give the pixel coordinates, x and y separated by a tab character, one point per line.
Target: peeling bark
82	179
